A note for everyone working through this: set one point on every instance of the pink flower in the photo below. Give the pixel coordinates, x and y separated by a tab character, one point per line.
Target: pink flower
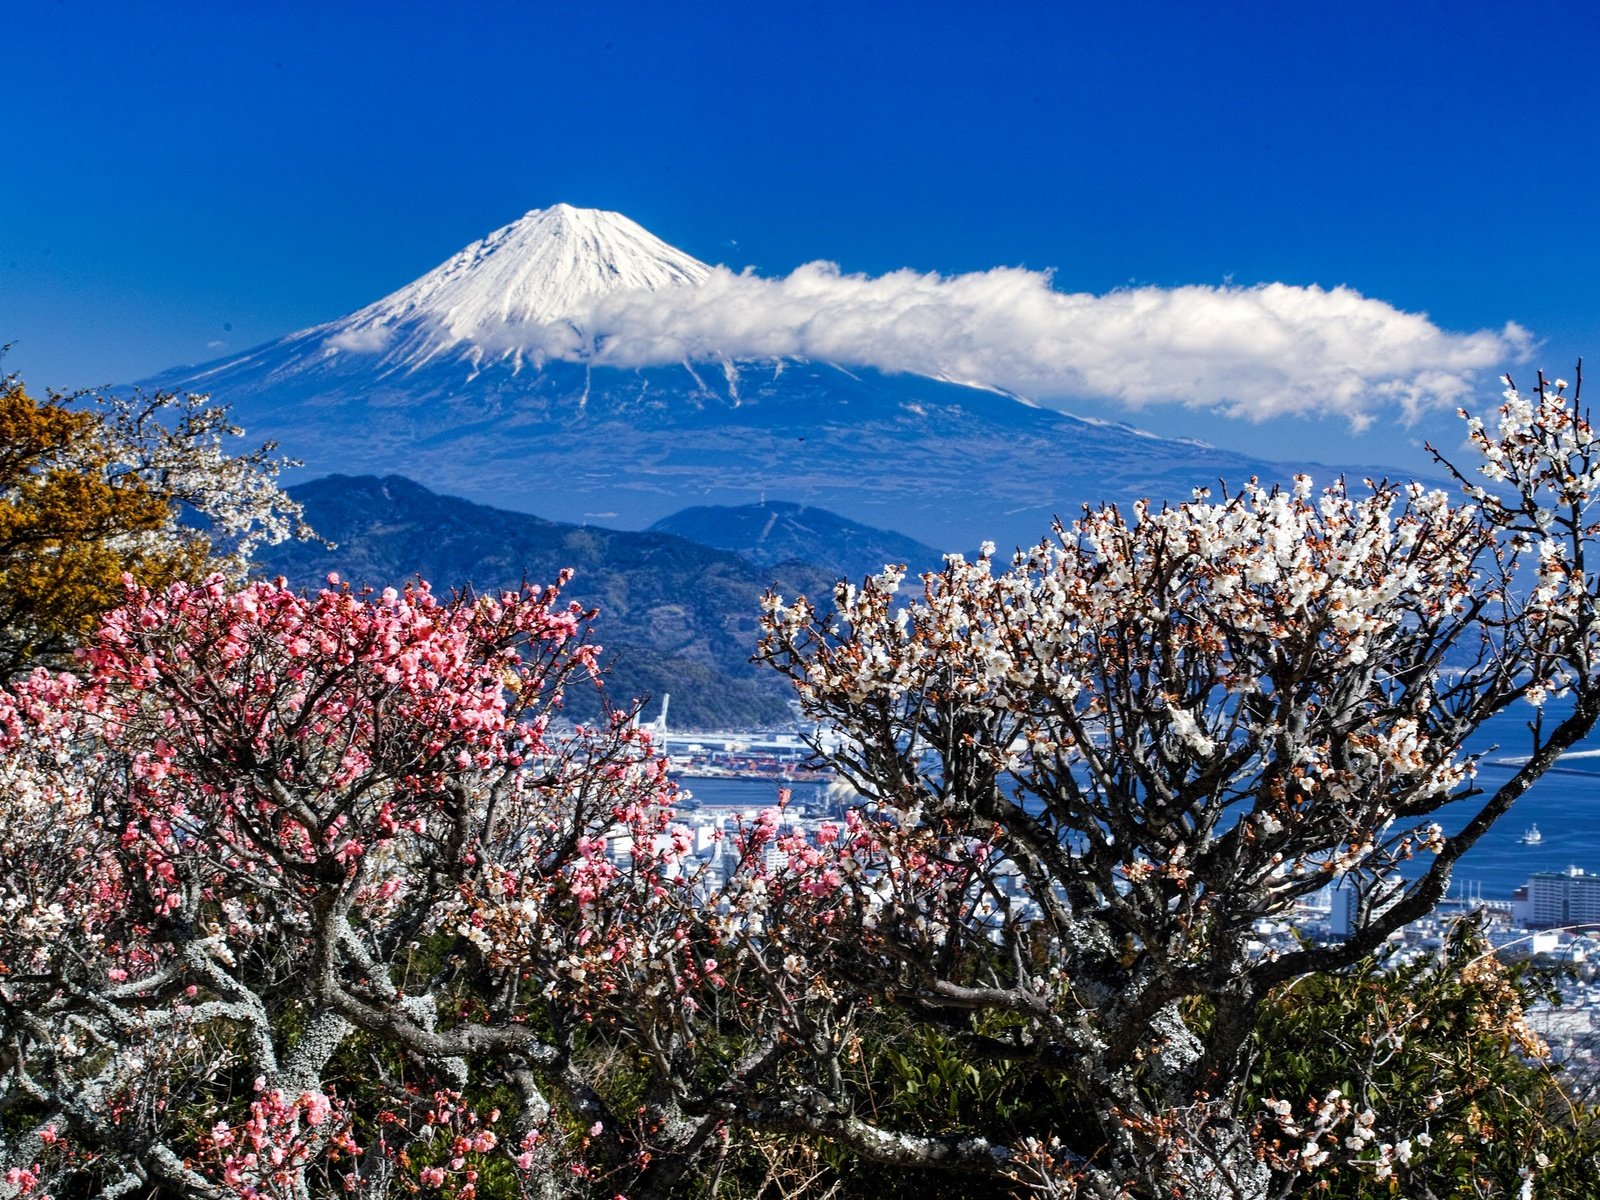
317	1107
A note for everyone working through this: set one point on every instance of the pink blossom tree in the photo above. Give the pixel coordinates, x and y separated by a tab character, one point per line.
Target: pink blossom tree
284	876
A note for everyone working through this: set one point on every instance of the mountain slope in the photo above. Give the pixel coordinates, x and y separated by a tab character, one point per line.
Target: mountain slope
675	616
480	379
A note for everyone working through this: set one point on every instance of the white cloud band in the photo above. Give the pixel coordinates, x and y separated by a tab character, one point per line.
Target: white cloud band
1253	352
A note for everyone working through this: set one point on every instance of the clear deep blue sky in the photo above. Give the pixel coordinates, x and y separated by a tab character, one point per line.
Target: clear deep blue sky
186	180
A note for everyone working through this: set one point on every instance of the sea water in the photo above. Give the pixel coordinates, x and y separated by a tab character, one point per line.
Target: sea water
1564	804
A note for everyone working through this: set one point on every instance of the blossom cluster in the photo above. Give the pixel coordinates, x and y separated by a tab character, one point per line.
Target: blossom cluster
1217	643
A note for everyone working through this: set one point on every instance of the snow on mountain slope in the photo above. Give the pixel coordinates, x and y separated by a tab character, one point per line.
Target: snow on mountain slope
492	297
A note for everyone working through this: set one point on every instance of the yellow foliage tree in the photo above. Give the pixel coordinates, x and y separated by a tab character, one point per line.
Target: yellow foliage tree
95	486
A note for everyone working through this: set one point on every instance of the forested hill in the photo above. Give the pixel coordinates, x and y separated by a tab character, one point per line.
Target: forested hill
676	616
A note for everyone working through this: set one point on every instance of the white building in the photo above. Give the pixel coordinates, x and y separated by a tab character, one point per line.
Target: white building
1563	898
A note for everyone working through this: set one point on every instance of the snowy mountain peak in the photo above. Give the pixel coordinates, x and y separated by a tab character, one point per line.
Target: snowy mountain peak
542	270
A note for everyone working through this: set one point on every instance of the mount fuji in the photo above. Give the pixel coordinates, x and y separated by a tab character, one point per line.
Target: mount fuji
486	378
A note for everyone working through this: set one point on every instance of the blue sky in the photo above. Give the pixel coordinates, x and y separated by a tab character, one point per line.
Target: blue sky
188	180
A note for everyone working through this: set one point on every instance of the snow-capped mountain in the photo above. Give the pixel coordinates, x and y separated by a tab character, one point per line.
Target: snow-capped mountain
480	379
528	282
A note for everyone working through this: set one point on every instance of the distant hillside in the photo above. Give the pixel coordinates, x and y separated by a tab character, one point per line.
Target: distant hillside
780	531
676	616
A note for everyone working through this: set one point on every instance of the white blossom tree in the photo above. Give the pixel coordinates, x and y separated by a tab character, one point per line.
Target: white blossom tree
1096	770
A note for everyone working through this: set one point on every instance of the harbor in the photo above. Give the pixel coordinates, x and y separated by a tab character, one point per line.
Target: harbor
756	755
